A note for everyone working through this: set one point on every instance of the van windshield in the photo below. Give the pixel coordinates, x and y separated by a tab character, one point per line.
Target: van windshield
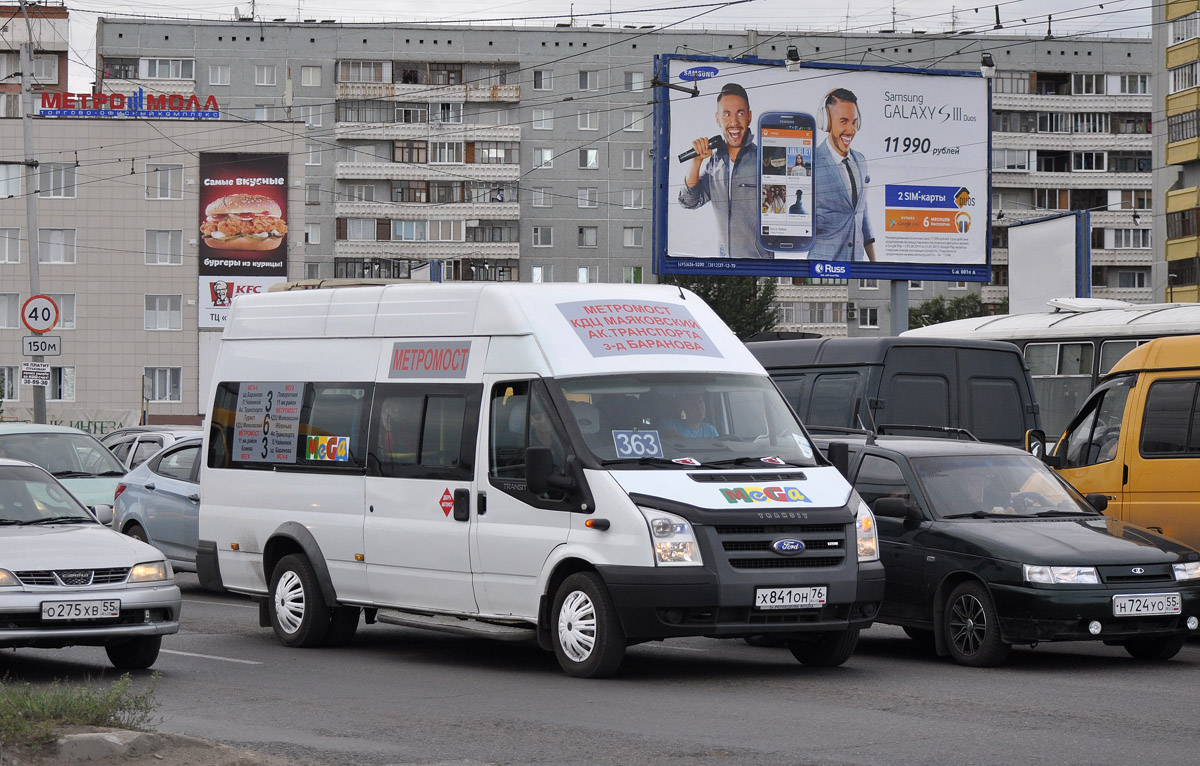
714	419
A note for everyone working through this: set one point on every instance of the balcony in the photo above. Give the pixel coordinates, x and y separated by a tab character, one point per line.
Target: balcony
426	250
492	94
1077	179
1122	257
152	87
827	329
993	294
1182	247
1079	142
835	293
435	131
1129	294
420	211
1109	102
400	171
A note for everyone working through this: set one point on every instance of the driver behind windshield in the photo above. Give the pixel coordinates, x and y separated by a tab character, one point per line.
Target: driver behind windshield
690	423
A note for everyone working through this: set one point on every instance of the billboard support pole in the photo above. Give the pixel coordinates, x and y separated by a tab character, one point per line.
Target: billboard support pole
899	289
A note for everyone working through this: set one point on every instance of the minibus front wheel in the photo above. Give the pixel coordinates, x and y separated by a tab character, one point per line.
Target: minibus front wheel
298	611
587	635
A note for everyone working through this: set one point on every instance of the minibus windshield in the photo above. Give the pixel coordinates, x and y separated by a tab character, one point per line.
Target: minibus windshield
713	419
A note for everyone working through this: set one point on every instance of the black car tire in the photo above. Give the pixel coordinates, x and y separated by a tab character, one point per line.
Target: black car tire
1158	649
135	654
827	650
343	624
972	628
587	636
299	613
137	533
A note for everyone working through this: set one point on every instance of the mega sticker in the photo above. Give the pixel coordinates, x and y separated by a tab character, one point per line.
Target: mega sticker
328	448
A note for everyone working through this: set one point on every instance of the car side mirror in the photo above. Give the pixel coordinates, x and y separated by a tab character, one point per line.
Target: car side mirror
103	514
1098	501
896	508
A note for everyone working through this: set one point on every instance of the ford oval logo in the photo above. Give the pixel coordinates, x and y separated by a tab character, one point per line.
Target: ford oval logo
698	73
1138	570
787	547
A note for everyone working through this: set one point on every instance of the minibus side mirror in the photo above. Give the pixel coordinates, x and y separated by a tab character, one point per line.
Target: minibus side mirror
1035	444
539	464
839	454
1098	501
896	508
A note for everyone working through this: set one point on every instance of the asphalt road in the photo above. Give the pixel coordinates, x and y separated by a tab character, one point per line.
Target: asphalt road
401	696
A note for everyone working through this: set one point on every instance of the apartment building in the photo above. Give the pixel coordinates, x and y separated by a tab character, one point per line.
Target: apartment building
48	21
1177	182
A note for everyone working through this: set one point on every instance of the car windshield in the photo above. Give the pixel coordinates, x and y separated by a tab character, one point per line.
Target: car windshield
714	419
982	485
29	496
66	455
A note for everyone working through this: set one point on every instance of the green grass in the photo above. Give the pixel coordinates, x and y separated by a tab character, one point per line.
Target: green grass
33	717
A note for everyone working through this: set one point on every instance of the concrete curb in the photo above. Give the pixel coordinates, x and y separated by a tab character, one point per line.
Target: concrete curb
106	746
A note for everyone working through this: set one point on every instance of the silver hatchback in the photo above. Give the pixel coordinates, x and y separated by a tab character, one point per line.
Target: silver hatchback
68	580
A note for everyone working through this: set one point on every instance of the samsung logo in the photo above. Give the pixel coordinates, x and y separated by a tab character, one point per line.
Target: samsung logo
698	73
788	546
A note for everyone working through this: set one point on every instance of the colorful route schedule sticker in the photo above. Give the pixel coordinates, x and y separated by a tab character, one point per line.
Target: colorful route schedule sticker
625	328
635	444
267	422
331	448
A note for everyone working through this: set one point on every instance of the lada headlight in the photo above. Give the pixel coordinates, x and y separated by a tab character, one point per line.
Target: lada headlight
1060	575
672	538
865	533
150	571
1189	570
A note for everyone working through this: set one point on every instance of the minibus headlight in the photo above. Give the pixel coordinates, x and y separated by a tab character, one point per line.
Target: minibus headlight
864	531
1060	575
150	571
1189	570
672	539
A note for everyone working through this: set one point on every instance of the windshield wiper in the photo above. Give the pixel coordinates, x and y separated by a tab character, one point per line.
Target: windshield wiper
1065	512
987	515
71	474
60	520
759	459
110	473
660	461
10	522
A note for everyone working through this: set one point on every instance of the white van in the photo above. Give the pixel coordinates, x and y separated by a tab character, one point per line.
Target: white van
590	466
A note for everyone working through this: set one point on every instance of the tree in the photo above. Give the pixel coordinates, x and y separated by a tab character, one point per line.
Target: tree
937	310
746	304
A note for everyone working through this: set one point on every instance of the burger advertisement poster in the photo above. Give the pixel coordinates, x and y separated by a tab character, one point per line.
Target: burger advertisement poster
243	215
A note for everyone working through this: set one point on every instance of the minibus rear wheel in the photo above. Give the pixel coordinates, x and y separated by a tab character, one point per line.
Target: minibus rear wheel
299	613
587	635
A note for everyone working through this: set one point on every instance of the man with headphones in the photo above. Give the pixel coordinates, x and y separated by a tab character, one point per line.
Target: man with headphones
841	226
729	178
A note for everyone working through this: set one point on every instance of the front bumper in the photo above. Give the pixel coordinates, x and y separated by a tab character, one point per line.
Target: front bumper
1063	614
660	602
151	610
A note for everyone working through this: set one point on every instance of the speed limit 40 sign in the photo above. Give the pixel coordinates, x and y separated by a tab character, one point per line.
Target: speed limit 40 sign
40	314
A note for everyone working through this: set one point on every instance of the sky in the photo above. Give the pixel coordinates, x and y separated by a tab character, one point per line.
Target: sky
1125	17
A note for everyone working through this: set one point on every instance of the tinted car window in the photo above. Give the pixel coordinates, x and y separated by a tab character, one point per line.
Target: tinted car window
1171	413
881	477
145	448
177	464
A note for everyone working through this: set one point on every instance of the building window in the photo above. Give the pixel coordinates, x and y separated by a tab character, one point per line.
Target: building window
1135	84
8	383
633	159
1136	199
1052	199
916	284
447	231
312	155
62	384
538	274
312	116
1182	127
1131	279
409	114
164	247
589	197
1185	28
264	74
1182	77
589	236
589	80
957	286
364	71
168	69
634	120
868	284
1054	122
449	112
164	181
543	236
1087	85
410	191
1183	223
166	383
589	159
445	74
1129	162
66	310
633	199
310	76
543	79
635	81
1087	161
1010	82
1092	122
497	152
631	275
445	152
1010	159
633	236
10	180
218	74
312	271
542	197
868	317
360	229
312	233
56	246
45	69
312	194
10	245
1129	239
585	274
589	120
56	180
412	152
543	119
543	158
361	193
164	312
408	231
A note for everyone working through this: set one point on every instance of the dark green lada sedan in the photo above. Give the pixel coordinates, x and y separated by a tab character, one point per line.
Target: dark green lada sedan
984	547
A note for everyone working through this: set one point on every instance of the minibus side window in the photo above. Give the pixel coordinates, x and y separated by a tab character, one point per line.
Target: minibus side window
424	432
1171	420
333	425
1097	435
520	420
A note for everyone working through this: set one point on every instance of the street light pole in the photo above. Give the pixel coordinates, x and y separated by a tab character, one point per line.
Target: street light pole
31	195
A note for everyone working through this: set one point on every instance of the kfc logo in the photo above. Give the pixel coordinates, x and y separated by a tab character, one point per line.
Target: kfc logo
221	292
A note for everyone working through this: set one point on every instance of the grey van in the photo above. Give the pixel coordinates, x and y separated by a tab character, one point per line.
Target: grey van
912	386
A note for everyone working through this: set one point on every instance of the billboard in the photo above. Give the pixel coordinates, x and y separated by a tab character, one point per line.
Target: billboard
243	215
1049	258
821	171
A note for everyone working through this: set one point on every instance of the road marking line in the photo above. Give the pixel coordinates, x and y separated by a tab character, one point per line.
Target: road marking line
221	603
210	657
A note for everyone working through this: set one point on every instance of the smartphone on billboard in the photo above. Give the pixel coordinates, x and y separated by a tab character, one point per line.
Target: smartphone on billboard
785	181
